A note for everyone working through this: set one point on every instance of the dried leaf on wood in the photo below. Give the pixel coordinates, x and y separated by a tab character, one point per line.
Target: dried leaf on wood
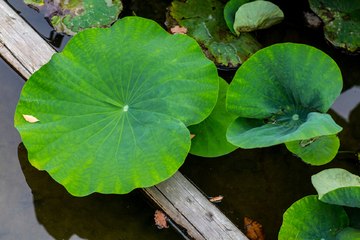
30	119
216	199
253	229
160	219
178	29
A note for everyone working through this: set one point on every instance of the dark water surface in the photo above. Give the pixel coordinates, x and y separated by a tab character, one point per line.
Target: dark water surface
258	183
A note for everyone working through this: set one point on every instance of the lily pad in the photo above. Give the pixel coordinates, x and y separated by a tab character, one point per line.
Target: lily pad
337	186
342	22
309	218
205	22
230	10
257	15
210	135
348	233
281	94
315	151
114	106
73	16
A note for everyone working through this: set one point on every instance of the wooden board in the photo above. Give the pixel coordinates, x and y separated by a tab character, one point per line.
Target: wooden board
188	207
20	45
26	51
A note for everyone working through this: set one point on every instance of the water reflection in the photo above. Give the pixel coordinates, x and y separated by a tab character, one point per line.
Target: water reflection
97	216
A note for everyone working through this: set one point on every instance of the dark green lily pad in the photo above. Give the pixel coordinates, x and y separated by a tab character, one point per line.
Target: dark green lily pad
315	151
342	21
230	10
257	15
348	233
210	135
337	186
281	94
309	218
73	16
114	105
205	22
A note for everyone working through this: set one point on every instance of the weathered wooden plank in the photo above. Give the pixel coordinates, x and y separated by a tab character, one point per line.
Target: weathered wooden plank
188	207
26	51
20	45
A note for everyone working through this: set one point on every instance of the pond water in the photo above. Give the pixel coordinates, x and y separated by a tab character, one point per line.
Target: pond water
258	183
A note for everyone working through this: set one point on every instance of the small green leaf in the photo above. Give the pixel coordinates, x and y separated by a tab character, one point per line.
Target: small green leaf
230	10
319	150
257	15
114	105
337	186
210	134
309	218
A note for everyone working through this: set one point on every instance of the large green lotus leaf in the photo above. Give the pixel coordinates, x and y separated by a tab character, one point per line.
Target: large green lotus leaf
114	105
342	21
254	133
210	135
348	233
283	77
257	15
316	151
230	10
73	16
205	22
337	186
309	218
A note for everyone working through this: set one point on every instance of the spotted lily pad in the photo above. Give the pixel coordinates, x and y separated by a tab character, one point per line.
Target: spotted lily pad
114	106
73	16
205	22
342	21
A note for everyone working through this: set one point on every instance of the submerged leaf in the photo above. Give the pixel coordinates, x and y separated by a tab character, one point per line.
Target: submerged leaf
206	24
73	16
342	22
253	229
115	105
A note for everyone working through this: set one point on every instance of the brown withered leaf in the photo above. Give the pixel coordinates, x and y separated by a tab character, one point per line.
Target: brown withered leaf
253	229
178	29
192	135
30	119
160	219
216	199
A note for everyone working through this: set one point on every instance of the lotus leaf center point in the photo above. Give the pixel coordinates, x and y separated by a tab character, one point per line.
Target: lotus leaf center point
295	117
126	107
